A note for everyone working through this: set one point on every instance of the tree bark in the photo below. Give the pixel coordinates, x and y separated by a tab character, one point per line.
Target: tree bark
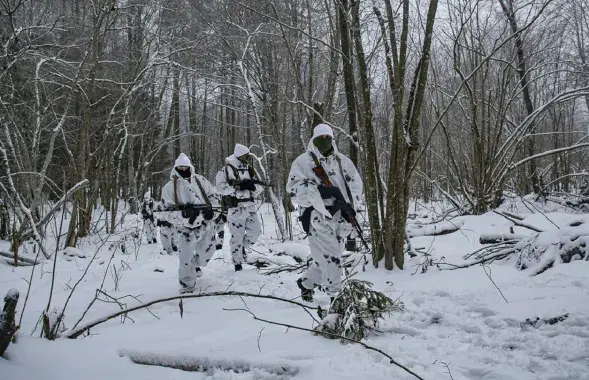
7	320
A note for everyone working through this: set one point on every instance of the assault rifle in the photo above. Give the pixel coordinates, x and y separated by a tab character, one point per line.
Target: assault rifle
351	218
189	211
255	181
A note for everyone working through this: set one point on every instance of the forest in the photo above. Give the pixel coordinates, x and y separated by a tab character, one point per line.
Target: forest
453	109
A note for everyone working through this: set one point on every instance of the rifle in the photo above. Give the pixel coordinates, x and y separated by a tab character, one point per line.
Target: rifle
262	183
325	181
189	211
255	181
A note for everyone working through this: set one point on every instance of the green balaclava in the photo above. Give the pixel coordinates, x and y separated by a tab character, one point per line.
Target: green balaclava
324	144
246	159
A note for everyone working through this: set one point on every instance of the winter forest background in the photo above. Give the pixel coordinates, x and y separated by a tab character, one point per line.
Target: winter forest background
467	119
466	100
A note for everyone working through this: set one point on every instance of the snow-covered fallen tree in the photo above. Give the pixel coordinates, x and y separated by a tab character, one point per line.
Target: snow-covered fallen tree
207	364
537	252
547	249
441	228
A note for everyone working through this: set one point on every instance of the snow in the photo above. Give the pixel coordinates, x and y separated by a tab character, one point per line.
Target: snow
455	324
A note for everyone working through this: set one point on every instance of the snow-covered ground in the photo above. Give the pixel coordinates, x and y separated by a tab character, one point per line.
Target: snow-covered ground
457	324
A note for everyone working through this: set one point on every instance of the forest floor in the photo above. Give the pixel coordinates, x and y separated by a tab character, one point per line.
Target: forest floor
462	324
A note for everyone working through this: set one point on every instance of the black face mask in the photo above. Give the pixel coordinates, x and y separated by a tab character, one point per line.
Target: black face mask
184	173
324	145
246	159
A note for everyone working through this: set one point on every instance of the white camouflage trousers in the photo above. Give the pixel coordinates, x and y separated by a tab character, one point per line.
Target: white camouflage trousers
219	234
150	231
196	247
327	238
169	239
245	229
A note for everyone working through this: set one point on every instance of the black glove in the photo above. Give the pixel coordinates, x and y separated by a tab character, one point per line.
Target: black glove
190	213
208	213
246	184
347	210
329	192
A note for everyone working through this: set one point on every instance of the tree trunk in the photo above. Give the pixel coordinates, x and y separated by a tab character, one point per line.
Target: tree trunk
371	172
7	320
508	10
348	69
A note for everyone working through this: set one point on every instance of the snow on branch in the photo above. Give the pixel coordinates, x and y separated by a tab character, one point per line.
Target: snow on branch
77	187
204	364
440	228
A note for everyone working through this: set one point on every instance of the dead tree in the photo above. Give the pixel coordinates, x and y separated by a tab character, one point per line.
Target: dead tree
7	325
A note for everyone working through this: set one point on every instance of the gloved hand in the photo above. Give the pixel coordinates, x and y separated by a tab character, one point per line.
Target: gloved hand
346	209
208	213
246	184
329	192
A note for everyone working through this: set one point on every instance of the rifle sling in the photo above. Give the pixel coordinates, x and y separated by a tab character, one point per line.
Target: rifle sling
202	191
175	191
341	169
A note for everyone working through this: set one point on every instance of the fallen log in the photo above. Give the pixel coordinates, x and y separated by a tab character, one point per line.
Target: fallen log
435	229
206	364
7	320
10	262
20	258
499	238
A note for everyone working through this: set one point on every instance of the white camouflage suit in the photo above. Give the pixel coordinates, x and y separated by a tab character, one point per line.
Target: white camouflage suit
168	236
148	219
196	241
220	227
327	233
243	222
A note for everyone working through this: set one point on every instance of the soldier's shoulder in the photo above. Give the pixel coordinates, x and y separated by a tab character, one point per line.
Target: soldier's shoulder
201	178
305	156
345	159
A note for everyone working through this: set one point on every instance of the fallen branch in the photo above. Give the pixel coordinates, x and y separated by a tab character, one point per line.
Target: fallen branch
205	364
77	187
499	238
75	333
514	215
517	222
489	259
25	260
333	336
441	228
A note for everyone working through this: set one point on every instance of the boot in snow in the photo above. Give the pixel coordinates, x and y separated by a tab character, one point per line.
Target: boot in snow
185	288
154	241
238	267
306	294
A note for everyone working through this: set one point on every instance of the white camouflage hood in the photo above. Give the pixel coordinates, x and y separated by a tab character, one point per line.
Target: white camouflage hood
182	160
